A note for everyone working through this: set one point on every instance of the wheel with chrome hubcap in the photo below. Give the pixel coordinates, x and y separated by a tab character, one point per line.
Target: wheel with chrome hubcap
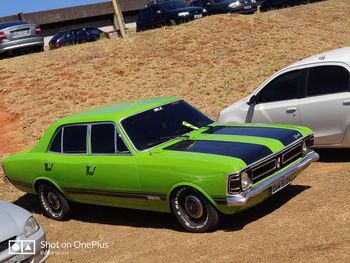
193	210
53	202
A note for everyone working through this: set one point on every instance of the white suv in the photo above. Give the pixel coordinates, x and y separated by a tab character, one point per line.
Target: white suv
313	92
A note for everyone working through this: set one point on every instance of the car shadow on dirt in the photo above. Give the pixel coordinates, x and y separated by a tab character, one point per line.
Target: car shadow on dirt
147	219
239	221
334	155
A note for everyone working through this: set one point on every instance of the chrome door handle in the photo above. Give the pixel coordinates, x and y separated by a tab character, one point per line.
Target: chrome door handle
291	109
90	169
48	166
346	102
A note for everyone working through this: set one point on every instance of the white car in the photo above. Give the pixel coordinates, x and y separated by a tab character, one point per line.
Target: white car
21	236
313	92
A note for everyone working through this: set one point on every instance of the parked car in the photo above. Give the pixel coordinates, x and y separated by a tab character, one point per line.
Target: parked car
226	6
21	236
19	35
75	36
162	13
275	4
313	92
163	155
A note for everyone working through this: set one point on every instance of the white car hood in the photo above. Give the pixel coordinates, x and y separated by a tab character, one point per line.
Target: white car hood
12	220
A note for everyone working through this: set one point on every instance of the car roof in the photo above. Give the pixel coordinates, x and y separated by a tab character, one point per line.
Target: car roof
117	111
12	23
336	55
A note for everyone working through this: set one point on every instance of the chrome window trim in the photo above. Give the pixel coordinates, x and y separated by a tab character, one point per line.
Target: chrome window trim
88	140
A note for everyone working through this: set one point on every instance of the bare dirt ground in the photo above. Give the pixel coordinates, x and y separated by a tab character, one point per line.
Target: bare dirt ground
211	63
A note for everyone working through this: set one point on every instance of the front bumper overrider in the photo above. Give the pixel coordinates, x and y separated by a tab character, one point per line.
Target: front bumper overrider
292	171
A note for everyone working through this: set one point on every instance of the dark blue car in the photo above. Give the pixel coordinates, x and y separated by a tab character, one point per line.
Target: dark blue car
162	13
75	36
227	6
275	4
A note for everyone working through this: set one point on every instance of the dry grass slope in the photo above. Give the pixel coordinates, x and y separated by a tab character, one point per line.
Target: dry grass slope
211	63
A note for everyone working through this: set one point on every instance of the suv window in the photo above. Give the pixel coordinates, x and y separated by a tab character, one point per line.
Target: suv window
74	139
103	138
283	87
56	143
324	80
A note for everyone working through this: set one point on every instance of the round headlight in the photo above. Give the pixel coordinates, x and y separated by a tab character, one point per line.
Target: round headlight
305	148
246	182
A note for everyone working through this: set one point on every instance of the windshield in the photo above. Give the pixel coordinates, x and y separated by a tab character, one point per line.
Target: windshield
152	127
173	5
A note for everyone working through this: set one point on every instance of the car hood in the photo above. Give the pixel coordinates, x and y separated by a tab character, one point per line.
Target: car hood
249	143
12	220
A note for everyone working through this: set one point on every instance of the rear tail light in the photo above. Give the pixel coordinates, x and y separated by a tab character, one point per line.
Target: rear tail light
37	30
2	36
57	43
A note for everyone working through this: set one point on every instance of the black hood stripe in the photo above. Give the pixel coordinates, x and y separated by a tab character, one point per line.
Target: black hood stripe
247	152
285	136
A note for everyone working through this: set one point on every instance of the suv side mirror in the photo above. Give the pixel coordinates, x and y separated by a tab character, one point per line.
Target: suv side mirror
253	100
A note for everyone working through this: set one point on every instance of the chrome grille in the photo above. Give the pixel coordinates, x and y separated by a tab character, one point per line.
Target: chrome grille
4	245
262	170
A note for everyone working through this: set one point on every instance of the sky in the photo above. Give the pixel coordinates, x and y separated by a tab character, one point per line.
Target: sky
13	7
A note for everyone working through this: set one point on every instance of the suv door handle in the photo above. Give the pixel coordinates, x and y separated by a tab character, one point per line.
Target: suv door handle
346	102
48	166
291	109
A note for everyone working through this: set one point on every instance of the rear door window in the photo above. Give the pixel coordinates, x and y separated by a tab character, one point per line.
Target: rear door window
74	139
325	80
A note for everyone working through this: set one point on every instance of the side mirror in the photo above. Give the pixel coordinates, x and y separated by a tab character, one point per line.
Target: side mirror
253	100
158	12
208	3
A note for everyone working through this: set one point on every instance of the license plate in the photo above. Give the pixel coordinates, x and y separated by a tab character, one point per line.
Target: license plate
281	184
21	33
198	16
248	7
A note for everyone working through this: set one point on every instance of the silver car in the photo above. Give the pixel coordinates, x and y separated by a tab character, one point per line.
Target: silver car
21	237
313	92
18	35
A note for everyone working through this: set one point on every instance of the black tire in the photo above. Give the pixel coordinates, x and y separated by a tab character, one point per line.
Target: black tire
194	212
55	205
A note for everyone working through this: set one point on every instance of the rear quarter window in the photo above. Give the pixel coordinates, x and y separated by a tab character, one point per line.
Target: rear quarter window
325	80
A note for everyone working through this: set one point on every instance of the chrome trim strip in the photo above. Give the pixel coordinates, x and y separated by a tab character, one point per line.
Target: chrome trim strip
293	170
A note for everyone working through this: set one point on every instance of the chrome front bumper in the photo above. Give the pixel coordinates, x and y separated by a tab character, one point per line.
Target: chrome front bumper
293	170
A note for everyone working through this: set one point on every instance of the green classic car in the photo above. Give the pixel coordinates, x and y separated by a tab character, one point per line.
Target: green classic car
163	155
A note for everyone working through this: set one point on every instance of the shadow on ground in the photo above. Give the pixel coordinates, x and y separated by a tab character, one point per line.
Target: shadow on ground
334	155
239	221
147	219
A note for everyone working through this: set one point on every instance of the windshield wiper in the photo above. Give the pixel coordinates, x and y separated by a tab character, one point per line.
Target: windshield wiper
189	125
166	138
